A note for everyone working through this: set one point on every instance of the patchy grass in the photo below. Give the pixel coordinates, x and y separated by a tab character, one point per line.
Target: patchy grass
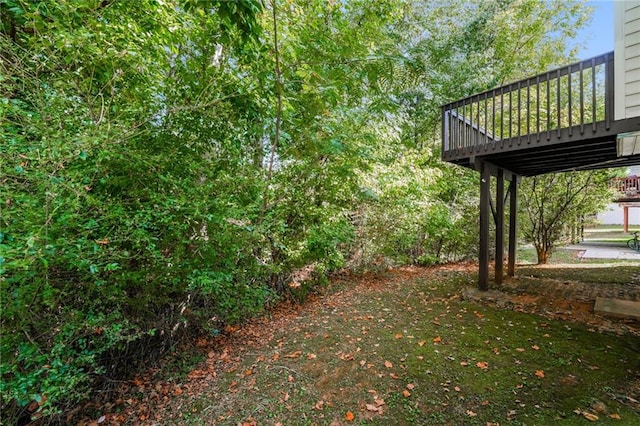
407	349
611	233
526	255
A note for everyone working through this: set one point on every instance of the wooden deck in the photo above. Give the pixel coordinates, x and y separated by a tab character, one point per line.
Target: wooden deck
556	121
627	189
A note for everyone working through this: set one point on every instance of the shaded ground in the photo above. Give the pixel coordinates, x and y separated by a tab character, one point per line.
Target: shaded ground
415	346
552	291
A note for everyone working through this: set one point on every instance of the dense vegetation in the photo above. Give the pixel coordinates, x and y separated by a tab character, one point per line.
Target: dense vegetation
179	165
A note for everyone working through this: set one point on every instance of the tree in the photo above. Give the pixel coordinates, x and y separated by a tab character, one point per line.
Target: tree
170	167
549	204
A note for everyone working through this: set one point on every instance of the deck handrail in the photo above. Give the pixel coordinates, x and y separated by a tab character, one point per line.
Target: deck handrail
629	185
573	97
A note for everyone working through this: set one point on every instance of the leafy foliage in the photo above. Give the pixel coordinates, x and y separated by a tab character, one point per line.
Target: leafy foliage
554	202
180	168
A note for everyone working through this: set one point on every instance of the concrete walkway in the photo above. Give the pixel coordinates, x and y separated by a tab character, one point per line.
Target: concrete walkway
602	250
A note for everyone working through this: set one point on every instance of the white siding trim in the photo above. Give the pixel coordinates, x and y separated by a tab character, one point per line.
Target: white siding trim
627	59
619	80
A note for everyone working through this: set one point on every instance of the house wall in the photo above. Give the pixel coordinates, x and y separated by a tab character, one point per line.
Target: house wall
627	59
613	216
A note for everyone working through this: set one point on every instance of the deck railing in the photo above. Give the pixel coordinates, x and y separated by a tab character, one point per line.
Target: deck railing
576	97
627	186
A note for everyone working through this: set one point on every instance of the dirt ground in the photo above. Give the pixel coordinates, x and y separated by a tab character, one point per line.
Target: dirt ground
566	300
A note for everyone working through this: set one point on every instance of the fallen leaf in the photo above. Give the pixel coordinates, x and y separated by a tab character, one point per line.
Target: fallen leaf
589	416
177	391
346	357
388	364
471	413
349	416
437	339
464	363
294	355
319	405
520	349
311	356
406	393
372	407
422	342
457	389
482	364
410	386
535	347
379	402
615	416
398	336
540	373
394	376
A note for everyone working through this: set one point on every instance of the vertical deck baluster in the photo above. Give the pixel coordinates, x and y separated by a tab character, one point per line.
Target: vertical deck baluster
608	90
548	106
493	115
486	116
519	115
594	111
455	134
559	118
450	130
478	140
510	115
538	108
465	128
528	117
472	135
570	117
459	135
461	129
445	133
502	116
458	132
581	98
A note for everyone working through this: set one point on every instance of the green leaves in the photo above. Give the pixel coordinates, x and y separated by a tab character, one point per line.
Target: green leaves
552	204
137	169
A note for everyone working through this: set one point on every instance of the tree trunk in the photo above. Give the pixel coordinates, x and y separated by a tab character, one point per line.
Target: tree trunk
543	255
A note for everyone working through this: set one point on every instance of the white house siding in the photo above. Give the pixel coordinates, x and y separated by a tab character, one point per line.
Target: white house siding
613	215
627	59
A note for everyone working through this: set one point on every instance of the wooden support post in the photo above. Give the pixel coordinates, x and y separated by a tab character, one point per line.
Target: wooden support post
625	213
499	226
485	181
513	224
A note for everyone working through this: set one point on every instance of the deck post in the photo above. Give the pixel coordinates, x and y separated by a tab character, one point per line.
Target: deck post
499	226
625	219
513	223
483	257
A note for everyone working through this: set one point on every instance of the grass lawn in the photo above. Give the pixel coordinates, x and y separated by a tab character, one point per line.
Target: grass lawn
401	349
